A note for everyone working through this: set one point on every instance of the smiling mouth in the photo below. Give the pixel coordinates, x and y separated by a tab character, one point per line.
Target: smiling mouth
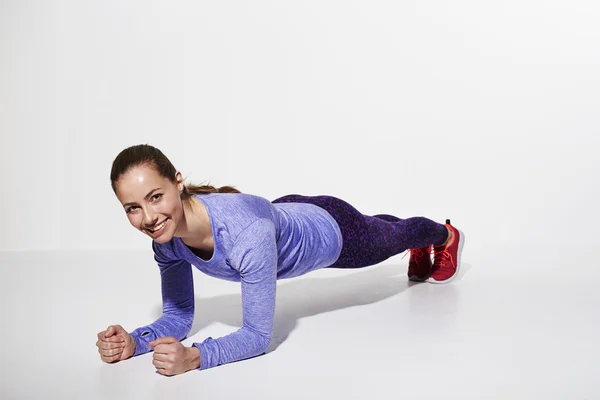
157	227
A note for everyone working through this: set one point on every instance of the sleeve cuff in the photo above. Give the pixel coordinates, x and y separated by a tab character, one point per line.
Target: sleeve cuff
141	337
209	352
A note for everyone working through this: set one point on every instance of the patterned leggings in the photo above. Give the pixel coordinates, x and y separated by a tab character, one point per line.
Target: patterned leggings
369	240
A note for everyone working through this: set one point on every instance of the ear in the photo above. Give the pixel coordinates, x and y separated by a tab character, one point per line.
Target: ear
179	182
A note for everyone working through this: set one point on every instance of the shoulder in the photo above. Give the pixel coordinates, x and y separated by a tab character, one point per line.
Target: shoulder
233	213
236	211
255	247
164	252
233	200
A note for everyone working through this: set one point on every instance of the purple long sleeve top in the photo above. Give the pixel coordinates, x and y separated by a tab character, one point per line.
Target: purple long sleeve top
256	243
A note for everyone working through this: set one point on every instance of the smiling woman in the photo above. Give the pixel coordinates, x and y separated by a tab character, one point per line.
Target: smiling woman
254	241
155	197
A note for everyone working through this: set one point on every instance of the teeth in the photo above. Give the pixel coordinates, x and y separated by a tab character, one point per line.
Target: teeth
157	227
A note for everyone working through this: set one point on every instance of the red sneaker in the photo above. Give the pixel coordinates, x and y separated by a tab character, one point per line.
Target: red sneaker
419	264
446	259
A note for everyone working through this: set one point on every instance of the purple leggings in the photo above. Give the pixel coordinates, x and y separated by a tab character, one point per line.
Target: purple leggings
369	240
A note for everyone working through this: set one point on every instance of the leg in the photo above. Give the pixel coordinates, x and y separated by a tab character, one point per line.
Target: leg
371	240
387	217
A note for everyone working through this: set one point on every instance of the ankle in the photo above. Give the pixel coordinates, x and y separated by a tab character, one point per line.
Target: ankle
448	239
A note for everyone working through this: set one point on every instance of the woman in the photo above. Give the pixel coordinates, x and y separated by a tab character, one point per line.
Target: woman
248	239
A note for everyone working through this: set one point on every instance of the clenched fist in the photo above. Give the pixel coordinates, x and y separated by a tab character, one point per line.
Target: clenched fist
115	344
171	357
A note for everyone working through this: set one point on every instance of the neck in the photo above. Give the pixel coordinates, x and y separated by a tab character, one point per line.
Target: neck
195	229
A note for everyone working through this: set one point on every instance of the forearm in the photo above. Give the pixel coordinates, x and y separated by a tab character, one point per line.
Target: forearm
177	326
242	344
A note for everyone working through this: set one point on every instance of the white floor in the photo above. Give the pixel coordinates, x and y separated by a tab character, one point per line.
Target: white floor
521	325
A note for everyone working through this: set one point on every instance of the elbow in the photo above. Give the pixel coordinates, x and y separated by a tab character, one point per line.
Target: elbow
186	323
263	343
258	340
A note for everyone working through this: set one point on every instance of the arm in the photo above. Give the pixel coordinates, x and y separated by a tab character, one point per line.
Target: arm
177	287
255	256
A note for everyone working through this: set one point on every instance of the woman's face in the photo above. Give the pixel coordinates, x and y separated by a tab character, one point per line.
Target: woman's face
152	203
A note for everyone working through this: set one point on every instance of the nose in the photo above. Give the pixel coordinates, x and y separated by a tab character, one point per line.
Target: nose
150	218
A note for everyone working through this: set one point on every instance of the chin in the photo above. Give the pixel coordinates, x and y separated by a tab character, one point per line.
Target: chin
163	238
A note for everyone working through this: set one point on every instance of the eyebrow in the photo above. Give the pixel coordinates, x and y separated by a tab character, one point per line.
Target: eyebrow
148	195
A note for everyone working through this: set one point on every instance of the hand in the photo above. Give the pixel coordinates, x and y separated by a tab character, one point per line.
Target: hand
115	344
171	357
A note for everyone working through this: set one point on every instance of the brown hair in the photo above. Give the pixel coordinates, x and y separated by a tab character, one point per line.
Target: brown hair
144	154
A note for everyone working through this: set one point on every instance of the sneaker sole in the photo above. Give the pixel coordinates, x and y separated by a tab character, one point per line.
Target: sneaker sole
416	278
461	243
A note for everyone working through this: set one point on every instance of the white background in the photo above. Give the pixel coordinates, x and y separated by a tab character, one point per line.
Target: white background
483	112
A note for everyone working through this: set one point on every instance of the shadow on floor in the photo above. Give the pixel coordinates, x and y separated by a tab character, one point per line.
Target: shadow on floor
306	297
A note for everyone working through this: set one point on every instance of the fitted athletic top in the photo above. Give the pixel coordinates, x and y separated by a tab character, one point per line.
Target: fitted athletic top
256	242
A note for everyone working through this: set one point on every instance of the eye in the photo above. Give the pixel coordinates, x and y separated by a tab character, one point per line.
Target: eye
130	209
156	196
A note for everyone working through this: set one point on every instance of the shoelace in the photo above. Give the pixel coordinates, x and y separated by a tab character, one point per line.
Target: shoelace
440	256
416	252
